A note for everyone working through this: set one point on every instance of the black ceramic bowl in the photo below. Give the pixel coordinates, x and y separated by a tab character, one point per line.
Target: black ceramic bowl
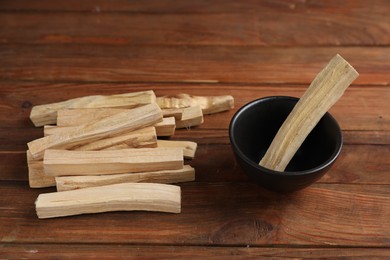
252	130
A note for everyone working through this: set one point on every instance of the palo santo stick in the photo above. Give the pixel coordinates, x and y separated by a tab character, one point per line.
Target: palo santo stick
80	116
64	162
328	86
116	197
189	148
187	173
192	116
36	174
141	138
166	127
209	104
177	113
110	126
47	114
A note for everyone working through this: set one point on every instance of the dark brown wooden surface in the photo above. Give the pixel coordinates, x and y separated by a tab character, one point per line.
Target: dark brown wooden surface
55	50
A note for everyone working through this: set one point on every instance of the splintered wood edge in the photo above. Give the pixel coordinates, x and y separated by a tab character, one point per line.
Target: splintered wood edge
187	173
325	90
115	197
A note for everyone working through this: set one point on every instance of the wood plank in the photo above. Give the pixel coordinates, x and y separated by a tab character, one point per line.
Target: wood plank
349	26
216	163
236	214
361	108
350	7
39	251
124	63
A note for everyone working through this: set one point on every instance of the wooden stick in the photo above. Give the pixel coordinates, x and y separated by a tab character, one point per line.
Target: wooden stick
47	114
166	127
209	104
192	116
187	173
110	126
328	86
80	116
177	113
115	197
36	174
141	138
63	162
189	148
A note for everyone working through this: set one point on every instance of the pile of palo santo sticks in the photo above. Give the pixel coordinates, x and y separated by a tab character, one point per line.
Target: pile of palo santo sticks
103	152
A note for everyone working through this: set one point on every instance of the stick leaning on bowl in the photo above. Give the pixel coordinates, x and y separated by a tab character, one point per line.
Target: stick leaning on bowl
324	91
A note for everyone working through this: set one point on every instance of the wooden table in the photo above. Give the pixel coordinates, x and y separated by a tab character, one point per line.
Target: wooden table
55	50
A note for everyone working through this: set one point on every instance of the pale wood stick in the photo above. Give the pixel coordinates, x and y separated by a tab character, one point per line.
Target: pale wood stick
189	148
177	113
36	174
328	86
80	116
187	173
47	114
141	138
64	162
192	116
110	126
166	127
115	197
208	104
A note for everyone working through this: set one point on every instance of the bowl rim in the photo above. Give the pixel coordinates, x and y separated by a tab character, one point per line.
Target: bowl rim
267	171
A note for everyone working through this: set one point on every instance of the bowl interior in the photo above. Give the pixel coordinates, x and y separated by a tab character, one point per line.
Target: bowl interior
255	125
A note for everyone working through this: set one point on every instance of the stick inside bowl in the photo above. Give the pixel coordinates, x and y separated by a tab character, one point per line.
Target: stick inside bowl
324	91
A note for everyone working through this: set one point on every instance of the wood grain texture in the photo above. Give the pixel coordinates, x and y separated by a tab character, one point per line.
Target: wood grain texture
114	197
39	251
358	164
264	219
123	63
324	91
47	113
64	162
362	108
57	50
187	173
134	119
339	25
